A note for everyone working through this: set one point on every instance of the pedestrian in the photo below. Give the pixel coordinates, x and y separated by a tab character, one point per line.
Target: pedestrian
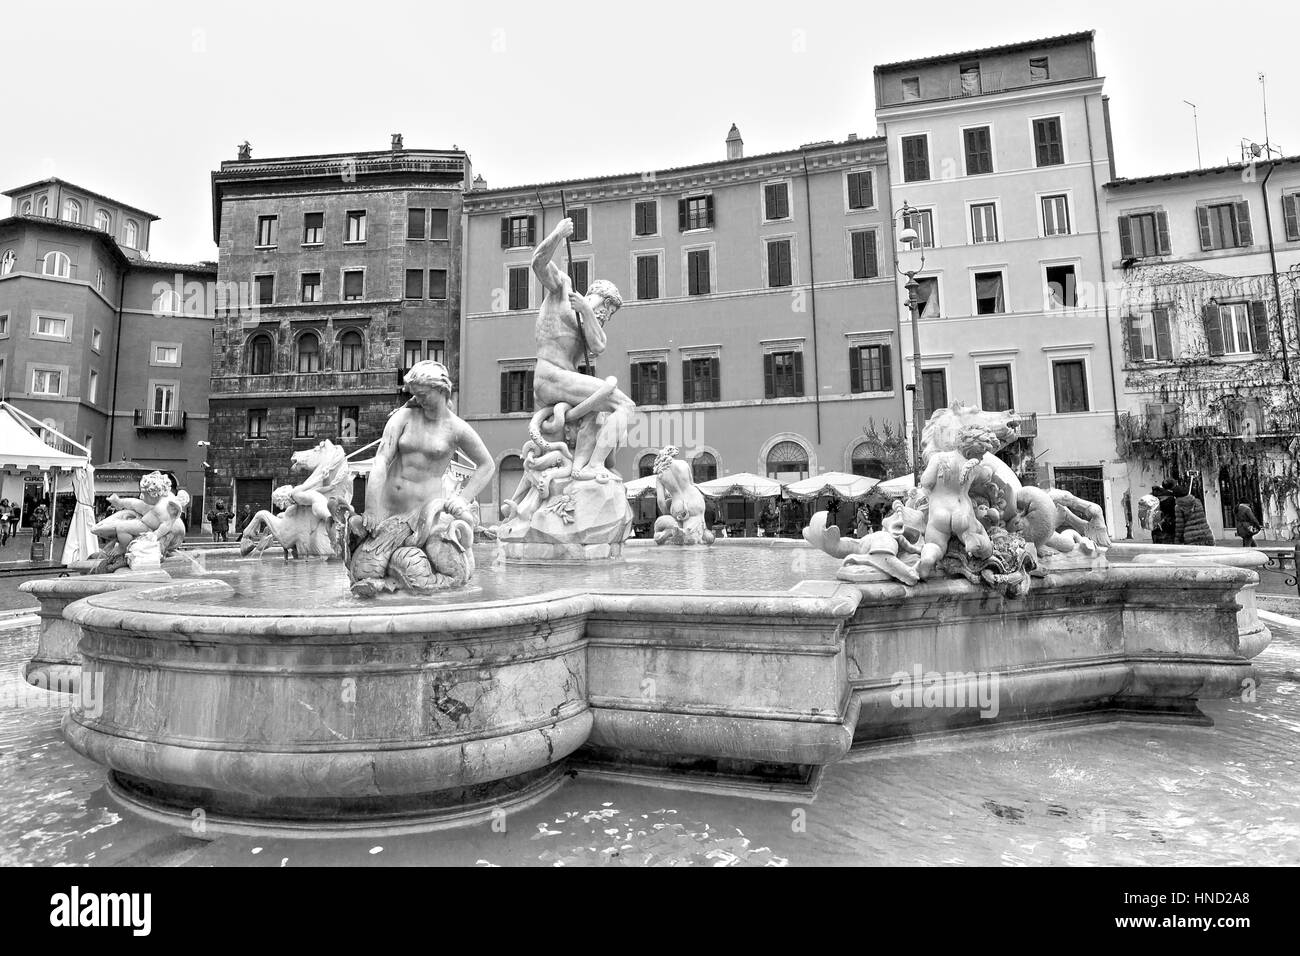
5	511
245	516
1247	525
1146	505
1190	526
40	518
1126	500
220	521
1167	502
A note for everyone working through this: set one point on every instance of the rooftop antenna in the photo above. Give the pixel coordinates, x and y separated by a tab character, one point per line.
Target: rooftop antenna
1196	126
1263	92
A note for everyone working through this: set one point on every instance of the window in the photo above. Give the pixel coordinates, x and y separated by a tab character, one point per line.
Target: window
1224	225
265	289
1144	234
580	275
783	374
861	191
256	423
304	423
870	368
645	466
646	218
518	231
438	224
96	340
51	327
43	207
438	283
412	352
166	354
57	264
995	388
787	461
1056	216
704	467
979	150
916	158
163	410
1291	216
776	201
92	391
517	390
352	352
313	228
519	288
694	212
357	226
922	220
1070	384
46	381
647	277
580	231
934	390
4	325
7	262
1048	147
778	263
1236	328
984	222
311	291
169	303
308	352
267	231
27	207
435	350
353	285
415	225
103	221
927	293
71	210
697	272
970	79
1062	287
649	383
1149	338
701	380
349	416
1038	71
864	462
99	280
988	295
911	87
260	355
862	249
131	234
415	283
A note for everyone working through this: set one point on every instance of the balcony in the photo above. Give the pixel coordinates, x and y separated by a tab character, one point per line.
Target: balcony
374	380
1027	425
151	419
975	85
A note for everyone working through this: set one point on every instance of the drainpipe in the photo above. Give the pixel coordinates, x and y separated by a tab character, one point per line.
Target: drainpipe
1101	261
812	299
1277	286
117	351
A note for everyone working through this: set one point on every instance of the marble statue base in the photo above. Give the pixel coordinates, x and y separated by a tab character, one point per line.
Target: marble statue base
579	521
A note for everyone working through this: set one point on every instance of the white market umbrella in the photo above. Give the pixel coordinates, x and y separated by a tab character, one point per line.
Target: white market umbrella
844	486
895	487
744	484
80	543
641	486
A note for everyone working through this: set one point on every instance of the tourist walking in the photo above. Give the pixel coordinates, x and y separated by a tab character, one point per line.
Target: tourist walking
1247	525
40	518
220	520
245	516
1190	526
1167	502
5	511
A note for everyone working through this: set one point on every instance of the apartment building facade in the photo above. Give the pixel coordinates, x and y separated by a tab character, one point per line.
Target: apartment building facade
338	273
759	331
1208	271
1001	154
100	342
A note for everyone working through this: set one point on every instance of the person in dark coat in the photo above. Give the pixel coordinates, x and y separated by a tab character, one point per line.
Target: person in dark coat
1247	525
220	521
1190	526
245	516
1167	502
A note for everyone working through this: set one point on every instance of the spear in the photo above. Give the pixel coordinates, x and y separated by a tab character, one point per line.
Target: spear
568	251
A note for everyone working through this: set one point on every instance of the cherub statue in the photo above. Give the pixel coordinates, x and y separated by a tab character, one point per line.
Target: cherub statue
682	502
156	514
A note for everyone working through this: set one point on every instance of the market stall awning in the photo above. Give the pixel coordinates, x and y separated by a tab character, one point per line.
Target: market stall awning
641	486
841	485
895	487
21	447
744	485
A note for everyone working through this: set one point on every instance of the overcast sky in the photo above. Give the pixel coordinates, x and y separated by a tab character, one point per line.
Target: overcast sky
141	100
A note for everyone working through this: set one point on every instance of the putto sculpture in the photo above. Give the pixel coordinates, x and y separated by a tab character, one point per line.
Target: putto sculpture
310	522
143	530
413	536
681	502
570	504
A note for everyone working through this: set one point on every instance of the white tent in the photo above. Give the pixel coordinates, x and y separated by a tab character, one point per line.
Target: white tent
743	484
25	443
837	483
895	487
641	486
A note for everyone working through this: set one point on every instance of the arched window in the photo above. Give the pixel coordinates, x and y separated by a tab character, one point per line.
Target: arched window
865	462
787	461
7	262
308	352
43	206
131	234
260	354
103	222
27	207
169	303
71	210
704	467
57	264
646	466
352	352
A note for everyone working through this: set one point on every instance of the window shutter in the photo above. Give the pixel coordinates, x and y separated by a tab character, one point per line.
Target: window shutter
773	263
681	215
1125	239
1203	222
505	392
708	210
873	265
1245	236
855	369
1134	336
1259	326
635	379
1291	215
798	373
1213	328
715	377
1162	233
662	397
887	368
1164	342
505	232
769	385
688	387
528	390
532	230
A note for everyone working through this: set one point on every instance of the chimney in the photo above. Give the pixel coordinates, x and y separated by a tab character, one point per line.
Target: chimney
397	141
245	151
480	182
853	137
735	145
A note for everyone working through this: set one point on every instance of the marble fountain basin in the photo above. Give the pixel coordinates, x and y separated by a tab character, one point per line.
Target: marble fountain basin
270	698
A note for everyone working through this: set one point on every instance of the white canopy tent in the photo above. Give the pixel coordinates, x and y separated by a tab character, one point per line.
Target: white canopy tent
27	443
743	484
844	486
895	487
641	486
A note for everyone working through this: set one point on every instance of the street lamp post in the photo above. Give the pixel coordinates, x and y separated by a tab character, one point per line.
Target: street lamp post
908	261
205	445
